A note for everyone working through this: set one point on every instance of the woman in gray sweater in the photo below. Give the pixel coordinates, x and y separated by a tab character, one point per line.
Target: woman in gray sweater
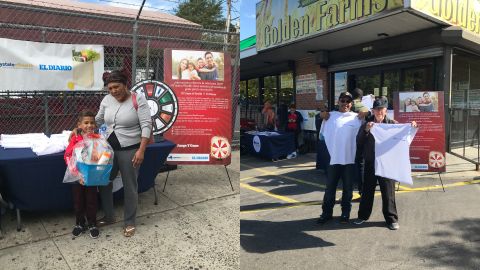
129	126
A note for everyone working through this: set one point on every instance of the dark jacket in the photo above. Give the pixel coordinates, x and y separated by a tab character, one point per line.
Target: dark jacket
366	141
318	123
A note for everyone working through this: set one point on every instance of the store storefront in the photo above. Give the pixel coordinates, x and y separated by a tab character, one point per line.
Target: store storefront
380	46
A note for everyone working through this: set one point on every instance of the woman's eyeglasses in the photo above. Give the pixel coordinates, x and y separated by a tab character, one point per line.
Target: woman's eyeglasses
346	100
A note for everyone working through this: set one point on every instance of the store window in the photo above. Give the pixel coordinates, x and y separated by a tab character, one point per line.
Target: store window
370	84
253	94
340	85
270	89
418	79
286	95
465	98
243	98
391	84
253	102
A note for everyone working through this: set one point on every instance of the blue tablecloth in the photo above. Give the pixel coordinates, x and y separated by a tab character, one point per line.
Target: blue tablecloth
271	147
35	182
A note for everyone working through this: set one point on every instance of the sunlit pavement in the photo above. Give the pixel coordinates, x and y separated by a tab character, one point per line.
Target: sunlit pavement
194	226
280	202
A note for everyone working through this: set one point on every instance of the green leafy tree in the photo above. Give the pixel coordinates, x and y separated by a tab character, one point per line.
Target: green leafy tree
207	13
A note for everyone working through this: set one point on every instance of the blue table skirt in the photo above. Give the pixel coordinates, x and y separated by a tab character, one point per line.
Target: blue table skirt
270	147
35	182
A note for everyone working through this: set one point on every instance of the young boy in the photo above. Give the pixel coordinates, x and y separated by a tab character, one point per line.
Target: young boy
294	125
84	198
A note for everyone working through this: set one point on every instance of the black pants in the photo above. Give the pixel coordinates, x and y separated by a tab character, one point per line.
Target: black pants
296	134
334	173
85	204
387	188
359	164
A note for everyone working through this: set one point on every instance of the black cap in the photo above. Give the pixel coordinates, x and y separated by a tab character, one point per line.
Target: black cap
380	102
357	93
345	95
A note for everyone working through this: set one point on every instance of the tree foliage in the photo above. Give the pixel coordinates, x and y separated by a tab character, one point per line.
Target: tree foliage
207	13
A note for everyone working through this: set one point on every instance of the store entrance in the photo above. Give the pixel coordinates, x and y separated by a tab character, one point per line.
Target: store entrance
385	80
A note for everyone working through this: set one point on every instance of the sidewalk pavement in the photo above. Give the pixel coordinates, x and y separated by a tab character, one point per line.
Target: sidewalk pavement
194	226
281	201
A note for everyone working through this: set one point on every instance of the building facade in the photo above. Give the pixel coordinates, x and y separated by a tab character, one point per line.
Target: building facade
308	52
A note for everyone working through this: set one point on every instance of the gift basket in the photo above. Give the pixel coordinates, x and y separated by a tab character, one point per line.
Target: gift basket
92	160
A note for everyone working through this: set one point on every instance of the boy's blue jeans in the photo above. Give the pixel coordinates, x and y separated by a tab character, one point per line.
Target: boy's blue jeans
334	173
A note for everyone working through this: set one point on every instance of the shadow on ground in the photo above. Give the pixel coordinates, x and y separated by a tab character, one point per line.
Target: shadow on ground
286	187
267	236
261	206
463	254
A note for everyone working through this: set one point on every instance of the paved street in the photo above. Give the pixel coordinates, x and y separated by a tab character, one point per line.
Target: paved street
280	202
194	226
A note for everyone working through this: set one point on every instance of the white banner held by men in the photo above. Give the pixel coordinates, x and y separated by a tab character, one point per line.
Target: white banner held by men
26	66
392	151
340	132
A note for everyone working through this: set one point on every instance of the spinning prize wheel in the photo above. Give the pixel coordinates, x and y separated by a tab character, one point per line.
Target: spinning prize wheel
162	101
436	159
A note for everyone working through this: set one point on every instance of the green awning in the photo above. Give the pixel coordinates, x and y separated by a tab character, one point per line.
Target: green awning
248	42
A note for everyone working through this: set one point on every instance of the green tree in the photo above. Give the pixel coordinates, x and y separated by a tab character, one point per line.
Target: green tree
207	13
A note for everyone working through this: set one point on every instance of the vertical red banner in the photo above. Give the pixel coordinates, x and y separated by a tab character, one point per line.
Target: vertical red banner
427	151
201	81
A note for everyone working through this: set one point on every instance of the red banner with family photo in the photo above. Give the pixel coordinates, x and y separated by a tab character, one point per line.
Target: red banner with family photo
427	151
201	81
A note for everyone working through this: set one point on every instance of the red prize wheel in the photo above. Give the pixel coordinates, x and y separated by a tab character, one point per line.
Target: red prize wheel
220	147
162	101
436	159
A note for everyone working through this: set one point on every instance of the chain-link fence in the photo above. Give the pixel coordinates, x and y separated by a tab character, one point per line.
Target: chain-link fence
136	47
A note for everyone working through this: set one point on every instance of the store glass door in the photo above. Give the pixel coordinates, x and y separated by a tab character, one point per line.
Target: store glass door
390	84
383	83
370	84
417	79
388	80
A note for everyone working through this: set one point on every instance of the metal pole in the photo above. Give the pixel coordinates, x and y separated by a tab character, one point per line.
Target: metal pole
227	22
134	46
478	139
134	53
157	70
45	103
148	61
228	175
166	179
236	93
465	116
115	59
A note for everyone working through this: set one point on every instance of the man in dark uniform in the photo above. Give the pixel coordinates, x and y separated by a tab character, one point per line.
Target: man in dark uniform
366	142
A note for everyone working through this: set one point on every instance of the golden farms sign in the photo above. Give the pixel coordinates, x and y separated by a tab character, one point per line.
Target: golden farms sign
283	21
463	13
